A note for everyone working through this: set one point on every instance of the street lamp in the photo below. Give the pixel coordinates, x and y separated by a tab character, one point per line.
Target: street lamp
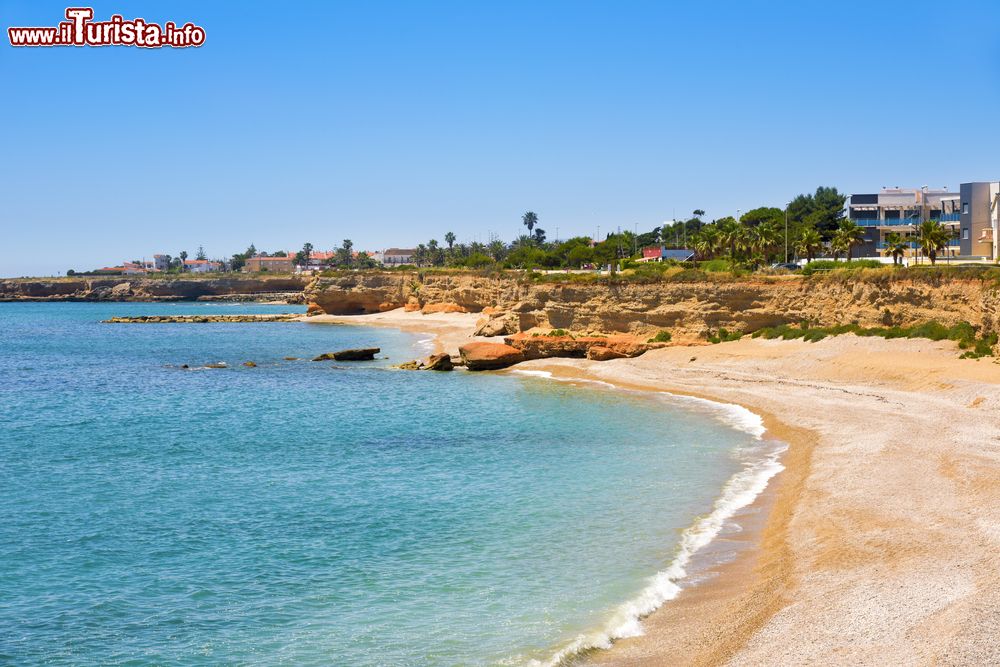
786	234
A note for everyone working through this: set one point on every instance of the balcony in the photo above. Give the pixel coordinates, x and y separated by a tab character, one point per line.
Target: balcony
952	243
950	219
868	222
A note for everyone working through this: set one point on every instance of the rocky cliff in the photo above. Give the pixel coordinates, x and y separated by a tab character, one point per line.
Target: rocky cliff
690	310
129	288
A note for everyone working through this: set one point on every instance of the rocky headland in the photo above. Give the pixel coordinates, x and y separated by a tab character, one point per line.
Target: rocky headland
135	288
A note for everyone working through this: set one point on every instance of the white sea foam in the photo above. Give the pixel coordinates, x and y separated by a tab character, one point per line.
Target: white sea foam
427	344
730	414
538	374
760	463
739	492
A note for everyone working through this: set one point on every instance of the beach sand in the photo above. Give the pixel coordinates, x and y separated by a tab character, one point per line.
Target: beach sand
449	330
880	541
882	538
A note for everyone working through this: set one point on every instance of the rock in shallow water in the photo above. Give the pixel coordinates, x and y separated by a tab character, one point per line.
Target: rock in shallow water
439	362
489	356
357	354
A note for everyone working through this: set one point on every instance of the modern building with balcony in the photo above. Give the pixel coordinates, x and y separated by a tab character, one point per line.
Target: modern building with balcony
979	226
901	210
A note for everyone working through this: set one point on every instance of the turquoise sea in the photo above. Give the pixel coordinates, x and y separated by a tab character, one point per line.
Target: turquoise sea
323	513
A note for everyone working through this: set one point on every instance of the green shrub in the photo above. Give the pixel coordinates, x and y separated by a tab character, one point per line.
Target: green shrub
662	337
714	265
831	265
963	333
724	336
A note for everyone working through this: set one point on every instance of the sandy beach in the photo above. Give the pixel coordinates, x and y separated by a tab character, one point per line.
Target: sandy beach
449	330
880	541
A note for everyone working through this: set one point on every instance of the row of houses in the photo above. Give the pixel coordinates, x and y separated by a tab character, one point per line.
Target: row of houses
161	263
273	263
972	214
320	259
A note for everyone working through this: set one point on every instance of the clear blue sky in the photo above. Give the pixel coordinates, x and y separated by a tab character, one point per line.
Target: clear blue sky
392	123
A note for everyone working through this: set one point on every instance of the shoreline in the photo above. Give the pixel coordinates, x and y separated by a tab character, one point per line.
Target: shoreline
720	588
718	604
880	541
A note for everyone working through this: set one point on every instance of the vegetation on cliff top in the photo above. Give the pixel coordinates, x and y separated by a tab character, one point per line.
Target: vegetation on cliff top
963	333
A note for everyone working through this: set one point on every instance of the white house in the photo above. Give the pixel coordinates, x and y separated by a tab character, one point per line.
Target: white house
396	256
201	266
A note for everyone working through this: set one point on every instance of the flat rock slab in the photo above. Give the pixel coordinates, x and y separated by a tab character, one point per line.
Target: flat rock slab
489	356
357	354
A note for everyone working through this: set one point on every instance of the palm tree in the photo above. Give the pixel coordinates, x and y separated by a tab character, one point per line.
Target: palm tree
764	238
809	243
449	238
895	246
497	249
730	236
420	255
698	213
933	238
529	220
847	236
708	242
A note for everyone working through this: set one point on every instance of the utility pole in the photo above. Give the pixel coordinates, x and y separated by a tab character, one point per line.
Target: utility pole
786	234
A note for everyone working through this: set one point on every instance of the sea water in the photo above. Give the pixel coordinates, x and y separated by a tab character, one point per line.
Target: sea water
325	513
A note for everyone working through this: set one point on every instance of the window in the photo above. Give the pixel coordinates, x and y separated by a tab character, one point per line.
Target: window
965	207
965	234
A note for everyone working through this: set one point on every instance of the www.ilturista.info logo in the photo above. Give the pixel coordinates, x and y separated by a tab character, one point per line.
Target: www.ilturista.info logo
81	30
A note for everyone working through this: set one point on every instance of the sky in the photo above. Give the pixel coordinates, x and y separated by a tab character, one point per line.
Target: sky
393	123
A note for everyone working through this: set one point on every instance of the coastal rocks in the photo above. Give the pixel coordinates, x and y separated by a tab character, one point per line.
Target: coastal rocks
535	346
121	291
497	326
138	288
439	362
356	354
601	353
220	364
482	356
250	364
260	297
436	362
442	308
